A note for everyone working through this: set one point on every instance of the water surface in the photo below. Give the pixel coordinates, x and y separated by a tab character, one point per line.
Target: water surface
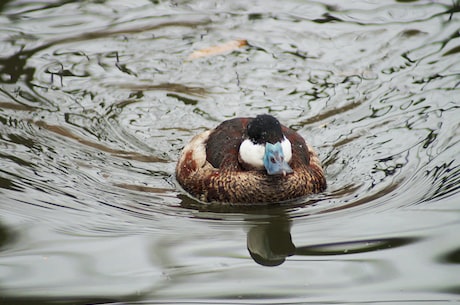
98	98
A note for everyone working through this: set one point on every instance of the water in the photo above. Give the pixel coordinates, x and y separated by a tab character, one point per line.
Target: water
98	98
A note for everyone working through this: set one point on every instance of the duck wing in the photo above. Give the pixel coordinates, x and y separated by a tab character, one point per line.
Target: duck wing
223	144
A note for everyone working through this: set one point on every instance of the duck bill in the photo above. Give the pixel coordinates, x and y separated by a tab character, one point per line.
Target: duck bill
274	161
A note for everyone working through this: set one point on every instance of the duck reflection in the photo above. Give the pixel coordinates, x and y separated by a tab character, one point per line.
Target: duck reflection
7	236
270	242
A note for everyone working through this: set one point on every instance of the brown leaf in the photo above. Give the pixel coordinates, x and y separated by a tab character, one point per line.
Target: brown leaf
219	49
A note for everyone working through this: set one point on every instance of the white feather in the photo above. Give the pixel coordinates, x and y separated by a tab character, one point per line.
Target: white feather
287	150
252	154
198	148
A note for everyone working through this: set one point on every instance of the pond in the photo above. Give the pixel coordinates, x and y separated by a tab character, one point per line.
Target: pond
97	99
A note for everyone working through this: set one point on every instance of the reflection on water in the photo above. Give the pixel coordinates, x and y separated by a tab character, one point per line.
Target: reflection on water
97	100
270	244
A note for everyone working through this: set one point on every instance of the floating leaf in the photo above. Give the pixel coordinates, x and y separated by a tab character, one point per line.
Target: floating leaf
218	49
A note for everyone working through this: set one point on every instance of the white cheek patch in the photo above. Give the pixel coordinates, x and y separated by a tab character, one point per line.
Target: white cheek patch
252	154
287	150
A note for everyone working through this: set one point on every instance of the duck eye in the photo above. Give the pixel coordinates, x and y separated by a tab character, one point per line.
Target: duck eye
272	160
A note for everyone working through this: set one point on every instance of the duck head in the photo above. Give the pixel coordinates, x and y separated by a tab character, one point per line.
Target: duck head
266	147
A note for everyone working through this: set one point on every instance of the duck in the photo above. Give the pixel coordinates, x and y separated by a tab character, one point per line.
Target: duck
249	160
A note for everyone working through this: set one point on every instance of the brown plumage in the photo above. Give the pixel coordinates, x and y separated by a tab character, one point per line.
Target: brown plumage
210	167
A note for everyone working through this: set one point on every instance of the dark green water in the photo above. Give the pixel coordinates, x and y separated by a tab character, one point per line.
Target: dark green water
97	99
